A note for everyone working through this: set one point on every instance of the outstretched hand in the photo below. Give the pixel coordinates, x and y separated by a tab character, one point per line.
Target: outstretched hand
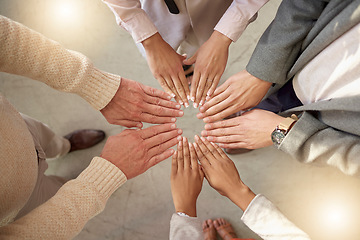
221	173
186	178
251	130
134	151
210	62
240	92
135	103
166	66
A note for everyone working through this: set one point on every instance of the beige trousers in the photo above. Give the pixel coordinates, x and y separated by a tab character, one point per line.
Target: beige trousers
47	145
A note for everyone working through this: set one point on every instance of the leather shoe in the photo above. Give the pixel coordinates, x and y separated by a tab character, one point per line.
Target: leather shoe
85	138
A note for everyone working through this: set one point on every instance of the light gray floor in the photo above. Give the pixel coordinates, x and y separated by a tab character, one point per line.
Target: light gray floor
141	209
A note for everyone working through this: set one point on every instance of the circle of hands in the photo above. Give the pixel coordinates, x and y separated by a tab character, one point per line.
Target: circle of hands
141	149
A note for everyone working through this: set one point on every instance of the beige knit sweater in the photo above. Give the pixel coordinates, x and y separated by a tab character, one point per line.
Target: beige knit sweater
27	53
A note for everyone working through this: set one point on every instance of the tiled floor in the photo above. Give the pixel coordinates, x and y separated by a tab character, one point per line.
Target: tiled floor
141	209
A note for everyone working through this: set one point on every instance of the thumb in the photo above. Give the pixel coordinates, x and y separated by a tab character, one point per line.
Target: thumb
182	57
191	60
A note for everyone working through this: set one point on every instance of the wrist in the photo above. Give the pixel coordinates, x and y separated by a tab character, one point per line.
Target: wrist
152	41
222	39
242	196
187	208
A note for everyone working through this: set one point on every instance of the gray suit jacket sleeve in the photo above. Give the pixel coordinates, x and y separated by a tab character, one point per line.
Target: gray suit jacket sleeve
280	45
311	140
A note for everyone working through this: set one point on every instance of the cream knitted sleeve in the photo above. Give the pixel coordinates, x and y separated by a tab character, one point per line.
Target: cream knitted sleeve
30	54
64	215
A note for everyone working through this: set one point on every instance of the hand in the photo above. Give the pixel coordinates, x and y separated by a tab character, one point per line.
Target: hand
240	92
135	103
210	62
221	173
186	178
166	66
134	151
251	130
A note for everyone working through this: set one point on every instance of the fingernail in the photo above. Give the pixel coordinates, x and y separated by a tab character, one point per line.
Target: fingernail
195	105
186	105
200	115
192	98
180	142
181	113
207	98
139	125
202	139
203	133
168	97
209	138
173	119
208	94
179	131
188	97
178	106
206	119
181	102
196	137
173	126
179	138
202	102
207	126
184	138
201	109
172	151
172	95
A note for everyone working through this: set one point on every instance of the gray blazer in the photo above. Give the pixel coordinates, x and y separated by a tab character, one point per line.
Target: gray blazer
327	131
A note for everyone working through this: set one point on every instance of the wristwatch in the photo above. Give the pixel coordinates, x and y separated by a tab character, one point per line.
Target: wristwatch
278	135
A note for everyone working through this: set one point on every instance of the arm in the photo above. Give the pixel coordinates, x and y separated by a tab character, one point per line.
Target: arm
65	214
311	140
259	214
280	45
30	54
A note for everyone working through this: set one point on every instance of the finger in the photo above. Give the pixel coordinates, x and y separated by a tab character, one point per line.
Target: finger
173	89
159	149
220	151
166	87
156	92
205	151
179	88
185	87
213	86
215	104
194	86
223	124
191	60
221	132
225	139
206	89
203	160
157	101
128	123
160	157
200	88
161	138
150	118
194	162
221	114
211	148
155	130
186	152
174	164
235	145
180	155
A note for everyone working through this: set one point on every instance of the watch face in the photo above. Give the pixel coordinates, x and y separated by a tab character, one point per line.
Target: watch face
277	137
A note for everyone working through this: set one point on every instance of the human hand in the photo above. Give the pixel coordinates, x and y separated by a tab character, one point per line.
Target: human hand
186	178
221	173
210	62
135	103
241	91
251	130
166	66
134	151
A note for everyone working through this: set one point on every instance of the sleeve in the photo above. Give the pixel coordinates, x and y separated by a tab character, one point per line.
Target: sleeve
64	215
280	45
132	18
266	220
312	141
182	227
28	53
236	18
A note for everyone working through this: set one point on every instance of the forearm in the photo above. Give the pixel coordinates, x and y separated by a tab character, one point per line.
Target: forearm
266	220
30	54
132	18
65	214
280	45
311	140
236	18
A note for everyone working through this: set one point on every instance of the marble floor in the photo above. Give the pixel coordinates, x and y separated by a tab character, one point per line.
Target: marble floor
319	199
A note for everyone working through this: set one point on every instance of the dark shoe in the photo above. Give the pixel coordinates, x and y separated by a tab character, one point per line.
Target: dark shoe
85	138
233	151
